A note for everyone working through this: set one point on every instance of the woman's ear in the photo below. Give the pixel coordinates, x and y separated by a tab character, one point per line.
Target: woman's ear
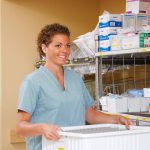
44	48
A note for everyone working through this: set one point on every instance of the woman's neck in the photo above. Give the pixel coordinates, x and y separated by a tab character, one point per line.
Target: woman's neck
55	69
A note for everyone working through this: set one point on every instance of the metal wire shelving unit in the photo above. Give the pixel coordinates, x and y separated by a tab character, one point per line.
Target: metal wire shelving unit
122	60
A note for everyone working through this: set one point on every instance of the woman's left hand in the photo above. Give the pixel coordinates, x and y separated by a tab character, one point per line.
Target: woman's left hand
123	120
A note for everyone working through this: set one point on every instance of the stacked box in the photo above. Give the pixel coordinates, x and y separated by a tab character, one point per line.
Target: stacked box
138	104
130	42
135	21
141	20
146	92
104	46
110	20
104	103
116	42
128	21
116	103
138	6
144	40
108	25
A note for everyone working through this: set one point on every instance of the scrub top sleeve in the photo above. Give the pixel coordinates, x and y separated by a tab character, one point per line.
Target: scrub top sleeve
27	97
87	97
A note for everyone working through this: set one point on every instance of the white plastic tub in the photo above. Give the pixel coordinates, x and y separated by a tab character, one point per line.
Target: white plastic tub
101	137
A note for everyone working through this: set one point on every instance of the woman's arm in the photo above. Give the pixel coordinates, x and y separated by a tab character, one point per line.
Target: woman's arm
95	117
25	128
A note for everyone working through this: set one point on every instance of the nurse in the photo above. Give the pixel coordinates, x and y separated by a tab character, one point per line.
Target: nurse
52	96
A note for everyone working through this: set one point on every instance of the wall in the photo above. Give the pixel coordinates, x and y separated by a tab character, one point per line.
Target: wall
0	85
21	21
113	6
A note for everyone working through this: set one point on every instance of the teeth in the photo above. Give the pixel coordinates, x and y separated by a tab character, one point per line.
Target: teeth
62	56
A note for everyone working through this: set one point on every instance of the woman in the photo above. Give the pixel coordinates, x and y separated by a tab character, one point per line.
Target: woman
52	97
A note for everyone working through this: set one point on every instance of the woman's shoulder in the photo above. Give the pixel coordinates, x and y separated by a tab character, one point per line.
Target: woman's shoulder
33	76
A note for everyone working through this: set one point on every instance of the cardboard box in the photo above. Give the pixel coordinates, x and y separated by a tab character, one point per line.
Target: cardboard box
141	20
117	104
128	21
144	40
138	6
104	46
110	20
129	42
146	92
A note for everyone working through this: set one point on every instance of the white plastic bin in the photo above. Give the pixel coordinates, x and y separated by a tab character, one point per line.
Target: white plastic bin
100	137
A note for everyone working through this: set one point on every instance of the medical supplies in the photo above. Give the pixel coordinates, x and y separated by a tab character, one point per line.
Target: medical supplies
138	6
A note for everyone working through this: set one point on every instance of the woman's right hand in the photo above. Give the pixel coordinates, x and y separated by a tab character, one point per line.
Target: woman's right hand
51	132
25	128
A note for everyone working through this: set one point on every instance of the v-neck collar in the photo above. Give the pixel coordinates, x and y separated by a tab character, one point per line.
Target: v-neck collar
54	78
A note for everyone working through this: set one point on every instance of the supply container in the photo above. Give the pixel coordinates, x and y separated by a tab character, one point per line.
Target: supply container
138	6
146	92
100	137
144	39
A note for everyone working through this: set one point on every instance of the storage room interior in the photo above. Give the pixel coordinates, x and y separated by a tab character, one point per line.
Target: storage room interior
20	23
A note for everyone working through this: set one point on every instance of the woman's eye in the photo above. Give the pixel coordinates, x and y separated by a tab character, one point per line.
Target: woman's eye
68	46
58	46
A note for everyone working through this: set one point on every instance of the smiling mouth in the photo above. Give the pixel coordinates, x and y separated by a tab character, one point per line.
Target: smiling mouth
63	57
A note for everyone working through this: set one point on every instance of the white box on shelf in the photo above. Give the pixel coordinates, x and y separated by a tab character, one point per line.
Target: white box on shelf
128	21
141	20
105	108
108	31
117	104
146	92
110	20
104	103
144	101
138	6
130	42
103	100
104	46
96	137
134	104
115	42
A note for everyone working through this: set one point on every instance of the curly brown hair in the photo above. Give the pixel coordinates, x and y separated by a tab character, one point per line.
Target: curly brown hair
46	34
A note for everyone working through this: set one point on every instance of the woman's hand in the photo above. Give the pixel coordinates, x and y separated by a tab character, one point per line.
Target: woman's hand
51	131
123	120
25	128
96	117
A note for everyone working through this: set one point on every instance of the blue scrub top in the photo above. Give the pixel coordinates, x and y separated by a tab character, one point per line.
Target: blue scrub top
42	96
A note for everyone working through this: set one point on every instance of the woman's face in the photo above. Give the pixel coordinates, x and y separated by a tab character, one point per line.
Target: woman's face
58	50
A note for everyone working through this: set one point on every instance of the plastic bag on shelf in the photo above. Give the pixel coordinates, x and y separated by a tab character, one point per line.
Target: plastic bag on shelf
84	45
136	92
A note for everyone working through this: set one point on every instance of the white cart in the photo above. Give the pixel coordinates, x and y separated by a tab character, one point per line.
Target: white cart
101	137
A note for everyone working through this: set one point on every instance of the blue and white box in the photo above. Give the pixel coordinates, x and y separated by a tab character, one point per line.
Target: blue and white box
104	46
108	25
105	33
110	20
